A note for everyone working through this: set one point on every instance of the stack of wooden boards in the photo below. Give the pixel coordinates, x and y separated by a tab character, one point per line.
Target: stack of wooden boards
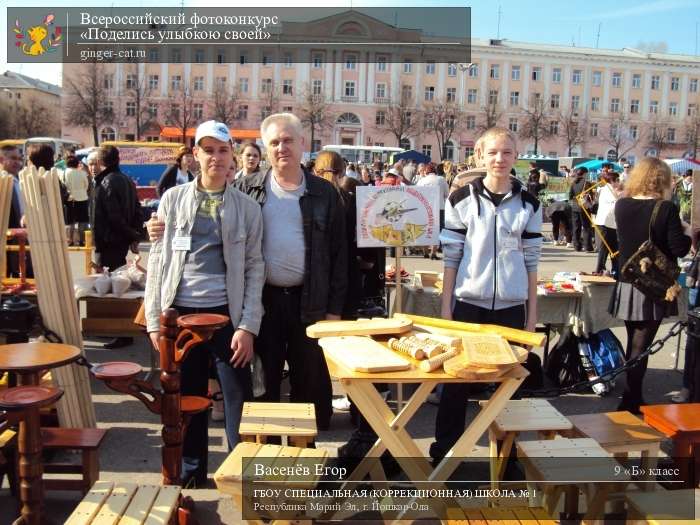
464	354
54	281
6	184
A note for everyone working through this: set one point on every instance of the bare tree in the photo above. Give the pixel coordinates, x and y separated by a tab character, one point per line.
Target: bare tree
491	114
269	98
6	127
315	113
32	119
225	108
445	120
619	135
400	118
180	113
572	126
139	92
692	133
536	124
657	136
87	100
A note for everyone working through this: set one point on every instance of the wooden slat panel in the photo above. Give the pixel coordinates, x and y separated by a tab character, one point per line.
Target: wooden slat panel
474	516
140	505
496	516
542	516
228	476
117	502
91	504
164	505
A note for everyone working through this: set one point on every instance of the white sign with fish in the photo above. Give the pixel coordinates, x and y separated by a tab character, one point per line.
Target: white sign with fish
397	216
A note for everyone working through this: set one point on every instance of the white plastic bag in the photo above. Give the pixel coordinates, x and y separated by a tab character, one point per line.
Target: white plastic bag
103	284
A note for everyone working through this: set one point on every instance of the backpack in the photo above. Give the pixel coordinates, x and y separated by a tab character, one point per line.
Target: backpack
564	366
601	353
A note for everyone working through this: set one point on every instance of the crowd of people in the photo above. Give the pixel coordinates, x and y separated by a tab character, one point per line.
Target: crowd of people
275	250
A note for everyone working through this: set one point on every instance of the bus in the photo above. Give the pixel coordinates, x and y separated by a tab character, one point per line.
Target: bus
364	154
60	146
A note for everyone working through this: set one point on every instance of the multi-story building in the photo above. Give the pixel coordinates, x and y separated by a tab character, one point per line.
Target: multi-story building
581	101
31	107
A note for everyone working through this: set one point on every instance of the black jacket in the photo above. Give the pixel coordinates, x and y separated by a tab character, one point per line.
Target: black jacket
169	179
118	220
326	275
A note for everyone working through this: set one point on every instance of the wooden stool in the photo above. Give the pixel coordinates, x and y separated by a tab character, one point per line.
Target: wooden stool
548	460
27	400
232	473
88	441
664	507
109	502
296	421
681	423
621	433
524	415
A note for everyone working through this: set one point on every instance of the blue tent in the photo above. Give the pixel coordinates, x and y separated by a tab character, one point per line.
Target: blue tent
597	165
412	154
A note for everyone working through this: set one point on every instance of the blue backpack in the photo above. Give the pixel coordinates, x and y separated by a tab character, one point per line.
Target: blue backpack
601	353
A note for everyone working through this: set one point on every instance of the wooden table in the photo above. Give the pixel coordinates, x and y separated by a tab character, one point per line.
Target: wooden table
391	428
112	316
681	423
27	360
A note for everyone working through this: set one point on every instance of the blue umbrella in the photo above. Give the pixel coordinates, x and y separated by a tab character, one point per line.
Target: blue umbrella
597	165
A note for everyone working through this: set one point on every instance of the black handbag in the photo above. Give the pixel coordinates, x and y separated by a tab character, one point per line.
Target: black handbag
651	271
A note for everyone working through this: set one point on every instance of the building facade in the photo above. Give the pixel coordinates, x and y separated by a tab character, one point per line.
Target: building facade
28	107
574	101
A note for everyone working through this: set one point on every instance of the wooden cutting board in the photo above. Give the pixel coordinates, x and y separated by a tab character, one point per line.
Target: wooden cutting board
458	367
596	279
362	354
376	326
487	351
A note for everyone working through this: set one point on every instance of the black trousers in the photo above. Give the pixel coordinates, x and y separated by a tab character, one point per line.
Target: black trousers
112	257
610	236
582	231
561	218
452	411
283	338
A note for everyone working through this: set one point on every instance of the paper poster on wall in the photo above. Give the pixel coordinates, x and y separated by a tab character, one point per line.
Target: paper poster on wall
397	216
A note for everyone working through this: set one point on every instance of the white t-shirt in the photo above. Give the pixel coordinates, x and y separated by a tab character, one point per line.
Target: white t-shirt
606	208
436	180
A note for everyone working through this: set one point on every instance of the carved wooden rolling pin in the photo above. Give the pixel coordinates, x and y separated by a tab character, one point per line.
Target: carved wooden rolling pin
405	346
435	362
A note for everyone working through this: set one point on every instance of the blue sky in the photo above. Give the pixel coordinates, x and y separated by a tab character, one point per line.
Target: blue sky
623	23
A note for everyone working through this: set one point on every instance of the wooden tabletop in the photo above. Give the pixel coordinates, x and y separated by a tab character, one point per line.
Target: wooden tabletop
675	507
671	419
27	357
413	375
615	429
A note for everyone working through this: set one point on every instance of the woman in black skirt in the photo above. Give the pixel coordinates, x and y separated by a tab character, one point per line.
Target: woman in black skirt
649	182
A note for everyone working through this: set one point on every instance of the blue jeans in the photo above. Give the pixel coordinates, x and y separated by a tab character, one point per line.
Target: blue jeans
236	387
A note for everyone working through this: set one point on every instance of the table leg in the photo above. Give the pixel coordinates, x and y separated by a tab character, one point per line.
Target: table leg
683	453
398	421
30	467
650	458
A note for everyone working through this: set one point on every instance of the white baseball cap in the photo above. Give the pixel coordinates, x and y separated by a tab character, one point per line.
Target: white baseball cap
214	129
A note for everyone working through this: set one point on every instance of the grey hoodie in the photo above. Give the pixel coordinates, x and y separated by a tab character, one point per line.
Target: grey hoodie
493	249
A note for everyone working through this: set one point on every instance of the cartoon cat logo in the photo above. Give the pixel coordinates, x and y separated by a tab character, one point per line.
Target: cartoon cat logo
36	35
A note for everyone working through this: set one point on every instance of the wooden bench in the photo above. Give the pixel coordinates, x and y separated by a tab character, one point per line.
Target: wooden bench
525	415
574	464
295	421
87	440
621	433
664	507
233	472
127	503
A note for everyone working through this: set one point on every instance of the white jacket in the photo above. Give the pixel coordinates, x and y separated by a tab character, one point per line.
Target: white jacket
606	208
76	182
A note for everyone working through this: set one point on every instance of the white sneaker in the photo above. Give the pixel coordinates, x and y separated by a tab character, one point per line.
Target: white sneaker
569	245
341	404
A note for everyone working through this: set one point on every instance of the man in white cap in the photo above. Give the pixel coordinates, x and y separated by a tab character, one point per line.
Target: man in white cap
209	260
